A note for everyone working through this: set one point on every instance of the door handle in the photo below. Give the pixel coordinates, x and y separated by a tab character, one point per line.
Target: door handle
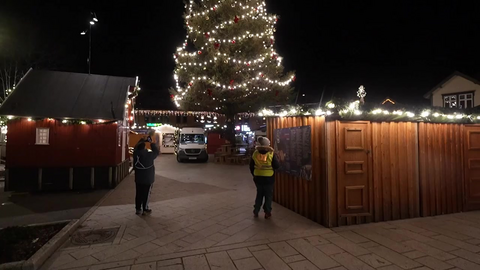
367	151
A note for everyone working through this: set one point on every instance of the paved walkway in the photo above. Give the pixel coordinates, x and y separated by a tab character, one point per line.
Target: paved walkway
203	220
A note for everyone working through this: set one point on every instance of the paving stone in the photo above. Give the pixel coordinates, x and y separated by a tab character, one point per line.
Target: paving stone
169	238
414	254
218	237
111	265
349	246
458	243
241	236
314	255
238	227
247	264
258	248
350	262
427	240
169	262
145	248
374	260
145	266
354	237
175	267
170	256
330	249
398	247
220	260
434	263
117	268
330	235
429	250
283	249
369	244
202	244
198	262
89	260
317	240
127	255
464	264
270	261
240	245
303	265
240	253
392	267
473	241
395	257
467	255
294	258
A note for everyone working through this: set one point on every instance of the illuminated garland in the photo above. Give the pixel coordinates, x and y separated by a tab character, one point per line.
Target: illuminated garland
354	111
65	121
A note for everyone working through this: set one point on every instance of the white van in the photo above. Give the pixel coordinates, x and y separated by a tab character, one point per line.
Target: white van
191	145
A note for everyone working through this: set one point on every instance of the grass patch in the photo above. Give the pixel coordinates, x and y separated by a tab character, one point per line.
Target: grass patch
20	243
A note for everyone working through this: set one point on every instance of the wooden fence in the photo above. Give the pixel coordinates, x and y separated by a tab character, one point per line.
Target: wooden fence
296	194
402	170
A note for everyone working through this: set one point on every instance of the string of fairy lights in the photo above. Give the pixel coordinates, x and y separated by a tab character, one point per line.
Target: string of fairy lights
128	114
253	10
353	111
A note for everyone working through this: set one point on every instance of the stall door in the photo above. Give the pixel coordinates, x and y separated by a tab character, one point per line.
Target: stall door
353	173
472	167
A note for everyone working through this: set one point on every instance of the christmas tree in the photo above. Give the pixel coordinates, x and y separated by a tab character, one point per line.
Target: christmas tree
228	63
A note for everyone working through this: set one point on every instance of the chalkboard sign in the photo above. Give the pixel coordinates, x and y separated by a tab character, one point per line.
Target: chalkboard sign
293	147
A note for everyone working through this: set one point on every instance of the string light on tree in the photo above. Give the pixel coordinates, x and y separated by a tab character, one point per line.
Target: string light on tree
228	62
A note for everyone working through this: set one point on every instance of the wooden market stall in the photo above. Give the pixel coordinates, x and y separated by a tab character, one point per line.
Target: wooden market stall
367	171
67	131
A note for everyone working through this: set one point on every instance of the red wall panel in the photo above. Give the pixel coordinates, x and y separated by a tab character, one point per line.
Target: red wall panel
70	145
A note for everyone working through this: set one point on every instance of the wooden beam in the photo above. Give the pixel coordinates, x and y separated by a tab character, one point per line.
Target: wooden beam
7	180
92	178
110	177
40	179
70	179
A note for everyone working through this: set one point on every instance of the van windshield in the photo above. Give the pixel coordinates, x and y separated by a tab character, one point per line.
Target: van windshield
192	138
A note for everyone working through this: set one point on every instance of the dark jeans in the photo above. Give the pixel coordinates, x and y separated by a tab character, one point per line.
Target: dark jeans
265	187
142	196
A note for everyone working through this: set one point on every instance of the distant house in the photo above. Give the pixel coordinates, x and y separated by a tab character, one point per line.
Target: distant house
388	102
456	91
67	131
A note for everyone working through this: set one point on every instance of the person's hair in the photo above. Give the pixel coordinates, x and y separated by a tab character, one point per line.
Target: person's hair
141	146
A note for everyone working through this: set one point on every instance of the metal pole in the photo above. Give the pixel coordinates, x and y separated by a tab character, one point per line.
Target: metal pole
89	49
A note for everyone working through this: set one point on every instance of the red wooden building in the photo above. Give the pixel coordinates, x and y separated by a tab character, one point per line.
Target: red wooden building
67	131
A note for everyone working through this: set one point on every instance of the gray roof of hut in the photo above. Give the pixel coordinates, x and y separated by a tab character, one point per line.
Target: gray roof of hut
55	94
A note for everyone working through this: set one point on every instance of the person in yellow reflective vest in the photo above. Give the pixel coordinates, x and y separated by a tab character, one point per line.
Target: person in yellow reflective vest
262	166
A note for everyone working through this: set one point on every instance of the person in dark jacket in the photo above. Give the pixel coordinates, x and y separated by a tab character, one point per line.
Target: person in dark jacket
262	166
143	164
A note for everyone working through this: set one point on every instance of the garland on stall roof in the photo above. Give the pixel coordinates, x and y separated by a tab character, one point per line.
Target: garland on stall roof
64	121
356	111
186	113
176	113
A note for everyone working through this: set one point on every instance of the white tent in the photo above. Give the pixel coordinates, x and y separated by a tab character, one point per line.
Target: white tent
167	139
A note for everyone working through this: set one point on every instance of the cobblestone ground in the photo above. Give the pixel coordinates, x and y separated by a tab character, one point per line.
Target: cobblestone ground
202	219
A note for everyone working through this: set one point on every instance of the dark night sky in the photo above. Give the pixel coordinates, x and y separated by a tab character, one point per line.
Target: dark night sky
399	50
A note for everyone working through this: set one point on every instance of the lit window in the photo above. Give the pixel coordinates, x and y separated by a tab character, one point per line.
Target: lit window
43	136
450	101
465	101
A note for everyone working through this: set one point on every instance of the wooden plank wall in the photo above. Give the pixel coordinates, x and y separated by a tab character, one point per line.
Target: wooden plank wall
395	171
301	196
441	168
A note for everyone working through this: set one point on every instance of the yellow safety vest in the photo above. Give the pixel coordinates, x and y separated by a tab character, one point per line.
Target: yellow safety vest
263	164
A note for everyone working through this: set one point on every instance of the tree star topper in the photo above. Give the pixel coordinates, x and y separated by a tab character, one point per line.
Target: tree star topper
361	93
